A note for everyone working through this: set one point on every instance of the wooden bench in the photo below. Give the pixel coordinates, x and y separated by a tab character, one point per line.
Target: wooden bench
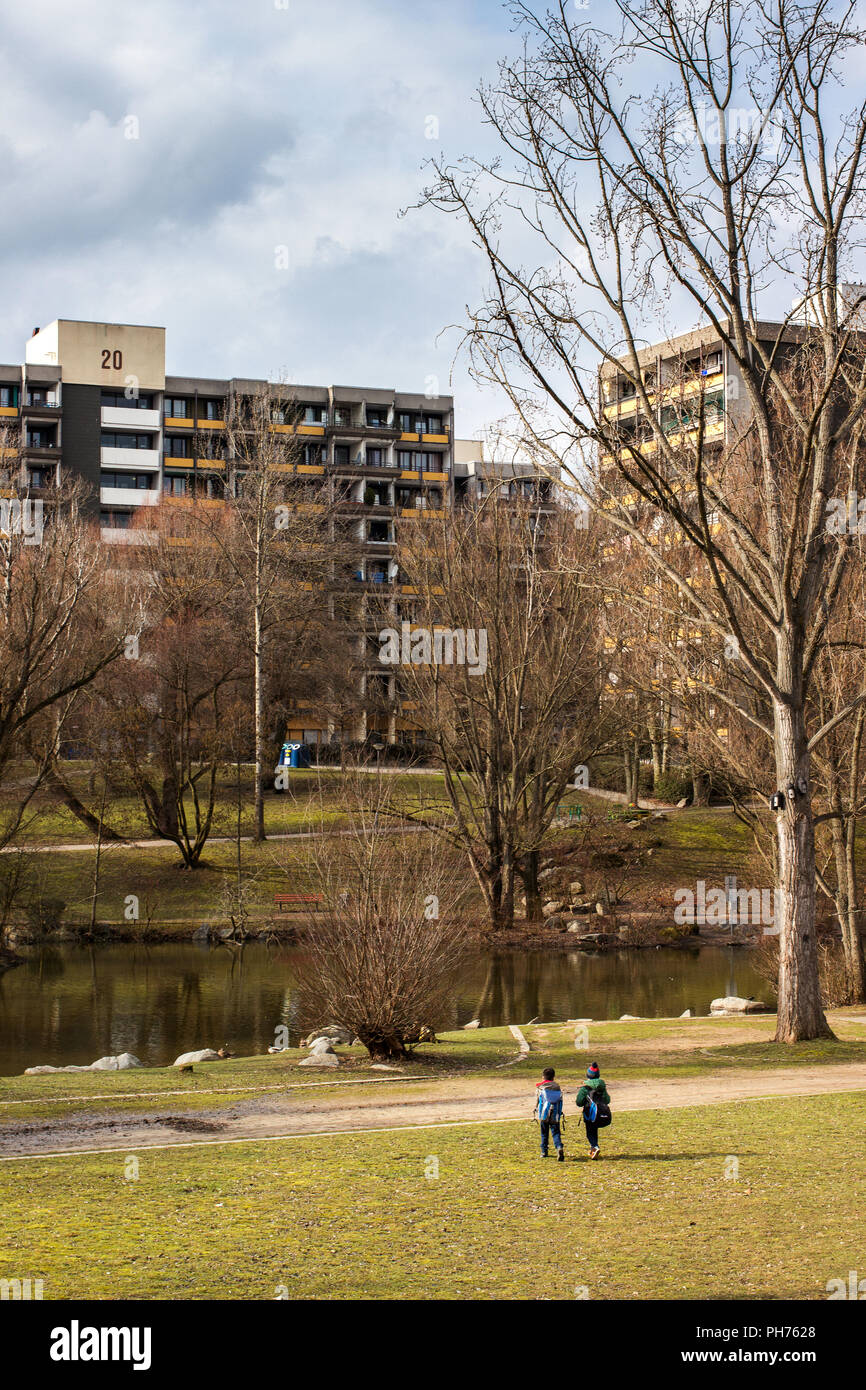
296	902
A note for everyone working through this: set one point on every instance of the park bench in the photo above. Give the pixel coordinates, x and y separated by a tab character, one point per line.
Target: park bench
296	902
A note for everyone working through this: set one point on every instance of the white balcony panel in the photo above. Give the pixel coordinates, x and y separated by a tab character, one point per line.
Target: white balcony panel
117	417
123	535
137	460
129	496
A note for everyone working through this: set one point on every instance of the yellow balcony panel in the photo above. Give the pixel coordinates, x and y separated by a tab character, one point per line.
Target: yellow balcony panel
409	474
211	465
410	438
173	462
310	429
210	424
434	439
8	410
179	422
408	589
311	468
436	477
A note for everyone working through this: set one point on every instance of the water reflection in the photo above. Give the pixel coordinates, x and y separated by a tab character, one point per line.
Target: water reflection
71	1004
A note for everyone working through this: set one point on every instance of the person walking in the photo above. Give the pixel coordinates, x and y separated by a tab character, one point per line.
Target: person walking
593	1099
548	1112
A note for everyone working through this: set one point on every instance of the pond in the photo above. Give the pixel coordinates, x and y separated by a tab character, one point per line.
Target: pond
72	1004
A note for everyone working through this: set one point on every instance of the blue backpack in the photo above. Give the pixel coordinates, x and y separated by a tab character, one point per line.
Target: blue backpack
549	1104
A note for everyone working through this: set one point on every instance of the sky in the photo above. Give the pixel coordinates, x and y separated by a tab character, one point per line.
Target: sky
236	171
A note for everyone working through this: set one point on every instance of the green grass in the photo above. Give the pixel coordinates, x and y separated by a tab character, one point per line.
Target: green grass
463	1212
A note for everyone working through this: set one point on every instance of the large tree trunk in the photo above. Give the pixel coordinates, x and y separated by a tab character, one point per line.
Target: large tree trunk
851	923
531	887
800	1013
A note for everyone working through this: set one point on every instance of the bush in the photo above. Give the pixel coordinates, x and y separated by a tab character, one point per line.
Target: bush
672	786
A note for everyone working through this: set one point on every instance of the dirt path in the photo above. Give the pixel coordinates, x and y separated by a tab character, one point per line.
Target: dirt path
451	1101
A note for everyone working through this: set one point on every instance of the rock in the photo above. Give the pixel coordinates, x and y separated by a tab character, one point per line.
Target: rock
335	1032
555	923
206	1054
550	909
273	1050
382	1066
629	1018
124	1061
545	874
537	1019
320	1059
583	905
687	1014
633	824
578	928
683	802
319	1046
226	933
732	1004
575	887
202	933
659	815
599	907
476	1023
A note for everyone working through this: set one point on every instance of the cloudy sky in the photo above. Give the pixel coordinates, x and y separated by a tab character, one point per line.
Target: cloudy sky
235	171
255	211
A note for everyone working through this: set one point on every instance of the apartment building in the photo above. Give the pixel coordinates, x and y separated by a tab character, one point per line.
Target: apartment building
92	400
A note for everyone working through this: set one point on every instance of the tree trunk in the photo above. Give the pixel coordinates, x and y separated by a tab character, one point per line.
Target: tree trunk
800	1013
259	817
531	888
851	924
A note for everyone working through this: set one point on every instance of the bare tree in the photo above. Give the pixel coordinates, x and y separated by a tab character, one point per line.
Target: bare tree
501	660
631	196
383	957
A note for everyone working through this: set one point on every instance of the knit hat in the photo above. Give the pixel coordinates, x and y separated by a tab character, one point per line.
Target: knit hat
592	1071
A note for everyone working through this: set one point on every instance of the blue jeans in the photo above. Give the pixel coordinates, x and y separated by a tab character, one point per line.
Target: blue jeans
550	1127
591	1133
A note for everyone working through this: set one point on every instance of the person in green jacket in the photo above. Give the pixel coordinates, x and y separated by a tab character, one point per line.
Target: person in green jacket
594	1089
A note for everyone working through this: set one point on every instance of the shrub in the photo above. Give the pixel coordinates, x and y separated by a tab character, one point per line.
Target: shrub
672	786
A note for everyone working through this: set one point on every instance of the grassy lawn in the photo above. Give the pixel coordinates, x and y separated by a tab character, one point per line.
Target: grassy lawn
739	1201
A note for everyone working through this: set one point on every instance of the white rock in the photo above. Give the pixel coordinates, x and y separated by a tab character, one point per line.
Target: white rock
575	887
320	1059
629	1018
382	1066
683	802
687	1014
732	1004
476	1023
124	1061
334	1032
319	1046
206	1054
552	908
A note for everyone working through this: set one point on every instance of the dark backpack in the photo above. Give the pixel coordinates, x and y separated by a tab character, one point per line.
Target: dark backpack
596	1112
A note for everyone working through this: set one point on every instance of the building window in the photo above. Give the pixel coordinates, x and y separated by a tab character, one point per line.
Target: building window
110	439
8	396
375	458
118	400
116	520
341	455
177	407
211	410
342	415
433	424
41	439
135	480
176	485
178	446
407	460
377	417
314	454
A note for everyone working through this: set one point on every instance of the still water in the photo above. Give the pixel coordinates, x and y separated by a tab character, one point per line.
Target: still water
72	1004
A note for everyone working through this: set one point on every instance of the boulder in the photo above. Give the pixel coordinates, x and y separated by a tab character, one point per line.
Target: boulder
659	815
684	801
578	928
551	909
334	1032
732	1004
545	874
476	1023
383	1066
205	1054
633	824
630	1018
124	1061
320	1059
687	1014
319	1046
599	907
555	923
582	905
575	887
202	933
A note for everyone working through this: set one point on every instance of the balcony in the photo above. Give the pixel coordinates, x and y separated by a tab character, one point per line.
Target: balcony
130	458
129	496
132	418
